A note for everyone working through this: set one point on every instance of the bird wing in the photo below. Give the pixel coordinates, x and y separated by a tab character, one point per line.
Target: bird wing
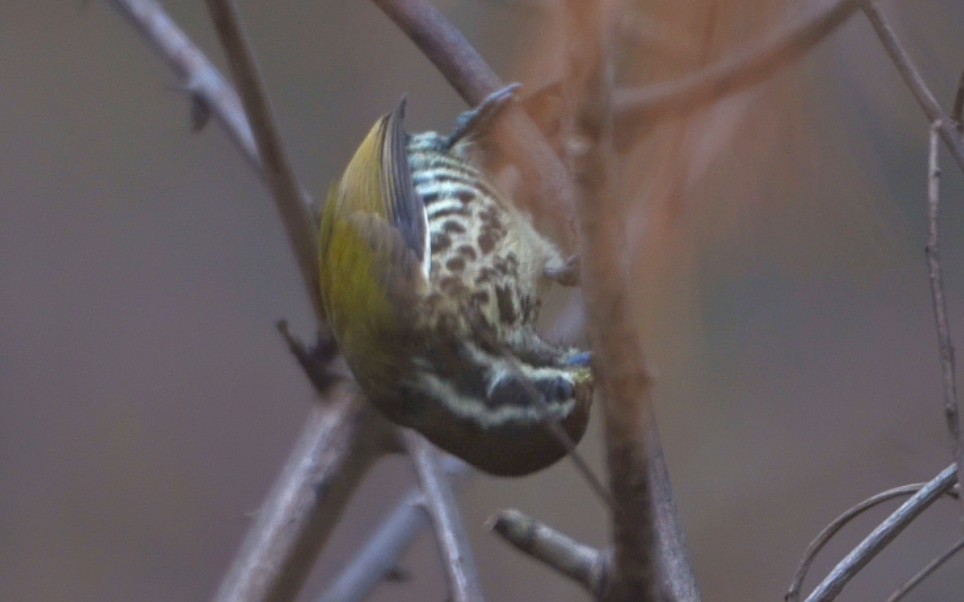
403	205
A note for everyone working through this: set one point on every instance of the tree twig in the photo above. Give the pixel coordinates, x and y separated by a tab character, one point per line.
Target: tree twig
822	538
338	443
882	535
585	565
936	279
289	196
925	572
737	72
380	554
453	541
912	77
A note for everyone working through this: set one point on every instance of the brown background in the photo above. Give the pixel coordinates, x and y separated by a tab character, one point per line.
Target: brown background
146	401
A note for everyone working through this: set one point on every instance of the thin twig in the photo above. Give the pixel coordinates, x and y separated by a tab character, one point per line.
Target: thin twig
337	444
912	77
585	565
737	72
882	535
440	502
546	183
290	200
824	537
936	278
381	552
925	572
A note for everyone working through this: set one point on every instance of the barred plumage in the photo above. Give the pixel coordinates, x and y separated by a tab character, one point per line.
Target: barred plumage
460	361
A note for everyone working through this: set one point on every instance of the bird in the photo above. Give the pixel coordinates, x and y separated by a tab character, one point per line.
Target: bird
431	281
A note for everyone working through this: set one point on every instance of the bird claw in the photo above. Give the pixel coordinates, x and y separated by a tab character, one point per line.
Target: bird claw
475	119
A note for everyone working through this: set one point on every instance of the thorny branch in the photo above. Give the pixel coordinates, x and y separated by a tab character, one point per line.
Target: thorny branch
199	77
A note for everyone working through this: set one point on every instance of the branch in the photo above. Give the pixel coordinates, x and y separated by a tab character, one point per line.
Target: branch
649	556
882	535
289	196
206	86
912	77
380	554
338	443
544	179
824	537
449	531
585	565
925	572
198	76
730	75
331	454
945	344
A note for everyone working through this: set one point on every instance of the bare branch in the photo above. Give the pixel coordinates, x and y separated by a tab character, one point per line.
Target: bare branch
925	572
199	77
882	535
545	179
584	565
644	560
380	554
338	443
945	343
912	77
440	502
290	199
822	538
737	72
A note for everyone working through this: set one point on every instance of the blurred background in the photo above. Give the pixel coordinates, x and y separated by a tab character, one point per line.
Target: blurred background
147	402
